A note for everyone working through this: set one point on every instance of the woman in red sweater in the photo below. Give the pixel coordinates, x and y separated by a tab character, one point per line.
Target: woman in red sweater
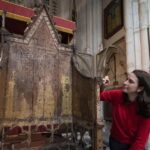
130	112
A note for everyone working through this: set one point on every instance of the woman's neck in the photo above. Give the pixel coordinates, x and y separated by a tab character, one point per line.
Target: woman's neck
132	97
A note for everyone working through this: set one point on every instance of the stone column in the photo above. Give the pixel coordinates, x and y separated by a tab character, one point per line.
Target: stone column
137	41
100	26
148	1
130	49
97	30
89	26
81	26
143	9
64	8
95	19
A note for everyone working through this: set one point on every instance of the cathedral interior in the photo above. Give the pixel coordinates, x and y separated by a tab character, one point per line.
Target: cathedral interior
53	56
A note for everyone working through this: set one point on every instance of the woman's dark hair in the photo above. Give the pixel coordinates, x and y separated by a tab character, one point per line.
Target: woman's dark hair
143	98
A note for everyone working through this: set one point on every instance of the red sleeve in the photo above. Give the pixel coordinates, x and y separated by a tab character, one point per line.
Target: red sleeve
111	96
142	135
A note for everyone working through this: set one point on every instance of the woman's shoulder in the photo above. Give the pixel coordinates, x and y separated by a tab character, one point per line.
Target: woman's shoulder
115	91
113	95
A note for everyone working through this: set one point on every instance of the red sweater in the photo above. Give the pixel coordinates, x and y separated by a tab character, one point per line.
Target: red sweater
127	126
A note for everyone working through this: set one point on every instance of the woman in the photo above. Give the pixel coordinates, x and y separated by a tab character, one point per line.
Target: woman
130	112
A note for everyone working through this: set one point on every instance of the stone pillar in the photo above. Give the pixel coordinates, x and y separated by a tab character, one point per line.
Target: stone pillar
143	9
130	49
97	25
137	41
89	25
148	5
64	8
100	26
84	25
97	30
81	26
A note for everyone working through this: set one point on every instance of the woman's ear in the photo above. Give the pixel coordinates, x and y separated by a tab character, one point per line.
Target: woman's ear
140	89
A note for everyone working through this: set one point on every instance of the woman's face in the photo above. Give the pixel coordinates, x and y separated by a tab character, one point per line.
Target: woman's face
130	86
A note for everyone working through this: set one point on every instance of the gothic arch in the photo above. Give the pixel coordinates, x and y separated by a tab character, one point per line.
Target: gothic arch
110	62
